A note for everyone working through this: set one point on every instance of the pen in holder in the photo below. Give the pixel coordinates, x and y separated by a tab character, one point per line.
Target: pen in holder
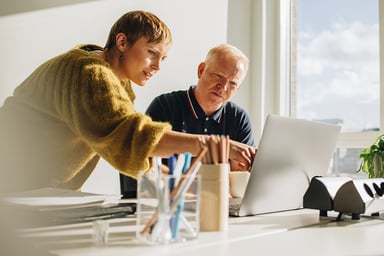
168	208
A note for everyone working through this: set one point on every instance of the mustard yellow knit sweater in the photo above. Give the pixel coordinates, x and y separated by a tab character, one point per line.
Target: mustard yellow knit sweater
68	113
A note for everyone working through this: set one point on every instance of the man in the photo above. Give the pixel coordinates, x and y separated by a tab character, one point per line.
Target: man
206	108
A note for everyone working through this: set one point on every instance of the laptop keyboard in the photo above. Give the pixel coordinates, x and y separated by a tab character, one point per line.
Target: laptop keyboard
234	206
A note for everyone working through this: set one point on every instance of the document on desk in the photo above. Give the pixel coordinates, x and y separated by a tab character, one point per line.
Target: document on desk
55	197
62	206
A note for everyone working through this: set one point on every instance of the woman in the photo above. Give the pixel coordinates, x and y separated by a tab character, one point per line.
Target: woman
78	107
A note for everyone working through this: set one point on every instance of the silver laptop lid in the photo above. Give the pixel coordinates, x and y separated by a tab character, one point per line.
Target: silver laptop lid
290	152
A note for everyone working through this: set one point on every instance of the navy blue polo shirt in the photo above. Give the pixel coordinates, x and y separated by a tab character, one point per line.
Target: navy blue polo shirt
181	110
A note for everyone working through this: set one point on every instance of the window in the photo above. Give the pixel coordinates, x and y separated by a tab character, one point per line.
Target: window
318	60
335	71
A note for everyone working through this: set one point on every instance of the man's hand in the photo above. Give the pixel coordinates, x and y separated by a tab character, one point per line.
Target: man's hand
241	156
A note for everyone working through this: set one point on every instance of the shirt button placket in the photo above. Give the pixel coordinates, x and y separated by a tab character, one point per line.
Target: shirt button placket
206	125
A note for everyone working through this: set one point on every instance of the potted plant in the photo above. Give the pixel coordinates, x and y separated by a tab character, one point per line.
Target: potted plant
372	159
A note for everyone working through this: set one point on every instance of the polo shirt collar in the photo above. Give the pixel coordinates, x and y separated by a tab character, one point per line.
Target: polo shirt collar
197	111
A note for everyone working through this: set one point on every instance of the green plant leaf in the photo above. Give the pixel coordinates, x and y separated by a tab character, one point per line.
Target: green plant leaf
372	158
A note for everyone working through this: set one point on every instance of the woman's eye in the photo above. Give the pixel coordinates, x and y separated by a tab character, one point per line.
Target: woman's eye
152	53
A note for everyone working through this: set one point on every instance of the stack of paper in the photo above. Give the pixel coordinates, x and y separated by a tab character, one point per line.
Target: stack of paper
61	206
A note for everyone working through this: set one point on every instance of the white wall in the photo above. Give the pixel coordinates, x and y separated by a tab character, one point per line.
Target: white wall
256	27
239	34
28	39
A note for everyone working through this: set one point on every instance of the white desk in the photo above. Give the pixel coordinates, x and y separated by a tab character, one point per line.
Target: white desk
299	232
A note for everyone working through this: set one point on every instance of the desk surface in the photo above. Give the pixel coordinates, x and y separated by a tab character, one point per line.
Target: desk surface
299	232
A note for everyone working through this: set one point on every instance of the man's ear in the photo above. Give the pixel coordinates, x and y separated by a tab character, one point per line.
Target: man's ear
200	69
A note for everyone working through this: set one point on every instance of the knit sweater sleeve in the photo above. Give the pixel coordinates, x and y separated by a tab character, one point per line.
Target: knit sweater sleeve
100	110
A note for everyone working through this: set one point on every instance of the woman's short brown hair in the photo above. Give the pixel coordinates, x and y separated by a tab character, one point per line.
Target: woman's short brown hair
137	24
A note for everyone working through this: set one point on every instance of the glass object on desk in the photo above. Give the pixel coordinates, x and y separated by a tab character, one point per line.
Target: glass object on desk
100	232
168	208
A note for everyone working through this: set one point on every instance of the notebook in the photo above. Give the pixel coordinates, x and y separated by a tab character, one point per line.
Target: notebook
290	152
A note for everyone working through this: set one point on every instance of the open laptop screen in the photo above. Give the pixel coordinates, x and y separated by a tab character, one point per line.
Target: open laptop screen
290	152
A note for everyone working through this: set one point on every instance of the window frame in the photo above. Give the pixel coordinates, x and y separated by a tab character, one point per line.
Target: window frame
279	77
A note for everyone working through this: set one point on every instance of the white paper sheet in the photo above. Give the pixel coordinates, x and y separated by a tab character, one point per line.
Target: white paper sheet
53	197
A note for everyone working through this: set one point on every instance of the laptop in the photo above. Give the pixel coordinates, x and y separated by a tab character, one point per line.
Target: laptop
290	152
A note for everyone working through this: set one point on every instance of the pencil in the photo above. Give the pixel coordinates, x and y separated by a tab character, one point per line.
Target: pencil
223	152
227	148
195	161
213	150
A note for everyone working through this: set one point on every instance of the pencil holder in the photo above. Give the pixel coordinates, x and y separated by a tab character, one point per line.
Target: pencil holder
168	208
214	212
